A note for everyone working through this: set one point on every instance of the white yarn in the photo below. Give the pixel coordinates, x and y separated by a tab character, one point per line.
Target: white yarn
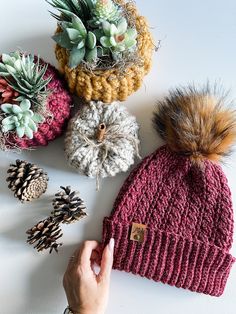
115	153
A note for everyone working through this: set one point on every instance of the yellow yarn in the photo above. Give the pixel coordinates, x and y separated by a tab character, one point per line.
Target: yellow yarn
113	84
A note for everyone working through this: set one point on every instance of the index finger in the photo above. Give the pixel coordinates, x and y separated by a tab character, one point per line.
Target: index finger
86	252
82	256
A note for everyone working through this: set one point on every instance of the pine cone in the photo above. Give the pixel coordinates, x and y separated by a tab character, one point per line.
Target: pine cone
26	180
7	93
45	234
68	206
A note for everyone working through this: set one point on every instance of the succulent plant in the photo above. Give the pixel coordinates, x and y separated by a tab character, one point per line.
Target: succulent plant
80	42
118	38
70	8
7	93
93	30
25	76
105	10
21	119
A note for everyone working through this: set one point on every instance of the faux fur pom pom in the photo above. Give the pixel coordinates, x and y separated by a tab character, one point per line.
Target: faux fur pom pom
198	123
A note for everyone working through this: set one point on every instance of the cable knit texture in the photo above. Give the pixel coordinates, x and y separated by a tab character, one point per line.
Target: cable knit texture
113	84
59	104
187	209
115	153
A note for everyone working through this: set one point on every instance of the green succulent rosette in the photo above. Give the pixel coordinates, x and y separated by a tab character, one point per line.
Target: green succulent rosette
21	119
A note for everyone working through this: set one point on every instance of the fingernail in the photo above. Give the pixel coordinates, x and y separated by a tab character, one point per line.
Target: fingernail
111	244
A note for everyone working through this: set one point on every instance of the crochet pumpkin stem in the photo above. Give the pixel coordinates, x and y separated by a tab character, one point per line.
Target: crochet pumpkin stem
101	132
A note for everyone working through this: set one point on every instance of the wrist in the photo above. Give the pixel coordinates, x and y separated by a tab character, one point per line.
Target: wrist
70	310
90	312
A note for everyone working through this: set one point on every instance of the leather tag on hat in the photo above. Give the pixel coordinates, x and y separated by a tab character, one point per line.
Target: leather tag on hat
138	232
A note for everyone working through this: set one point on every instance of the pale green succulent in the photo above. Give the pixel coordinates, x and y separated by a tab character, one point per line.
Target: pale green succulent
21	119
25	75
80	42
118	38
105	10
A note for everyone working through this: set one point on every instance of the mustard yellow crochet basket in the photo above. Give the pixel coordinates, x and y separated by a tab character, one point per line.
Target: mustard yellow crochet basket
113	84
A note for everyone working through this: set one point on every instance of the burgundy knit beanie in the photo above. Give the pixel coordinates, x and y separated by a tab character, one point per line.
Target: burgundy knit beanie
173	219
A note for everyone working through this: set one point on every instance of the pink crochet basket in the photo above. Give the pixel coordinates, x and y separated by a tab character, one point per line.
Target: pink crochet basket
59	104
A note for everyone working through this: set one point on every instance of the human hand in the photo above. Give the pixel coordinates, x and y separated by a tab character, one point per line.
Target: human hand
86	291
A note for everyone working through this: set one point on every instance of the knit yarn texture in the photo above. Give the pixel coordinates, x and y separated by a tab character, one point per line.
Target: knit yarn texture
189	218
59	104
115	153
113	84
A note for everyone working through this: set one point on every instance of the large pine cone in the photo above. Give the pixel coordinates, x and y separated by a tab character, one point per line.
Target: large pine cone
45	234
69	207
27	180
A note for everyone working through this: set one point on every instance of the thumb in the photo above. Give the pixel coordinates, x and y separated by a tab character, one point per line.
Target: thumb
107	260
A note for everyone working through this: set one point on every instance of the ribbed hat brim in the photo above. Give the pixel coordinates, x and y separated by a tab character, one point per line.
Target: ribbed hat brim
170	258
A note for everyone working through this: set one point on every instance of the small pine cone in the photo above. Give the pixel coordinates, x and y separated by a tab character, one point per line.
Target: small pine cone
45	235
26	180
68	206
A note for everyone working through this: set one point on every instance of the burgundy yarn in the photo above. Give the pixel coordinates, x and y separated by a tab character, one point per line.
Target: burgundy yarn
189	217
59	104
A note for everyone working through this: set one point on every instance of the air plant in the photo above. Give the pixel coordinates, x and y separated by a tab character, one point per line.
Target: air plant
25	76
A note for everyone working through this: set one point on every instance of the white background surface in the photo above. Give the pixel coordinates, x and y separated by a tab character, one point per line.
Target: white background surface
198	43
